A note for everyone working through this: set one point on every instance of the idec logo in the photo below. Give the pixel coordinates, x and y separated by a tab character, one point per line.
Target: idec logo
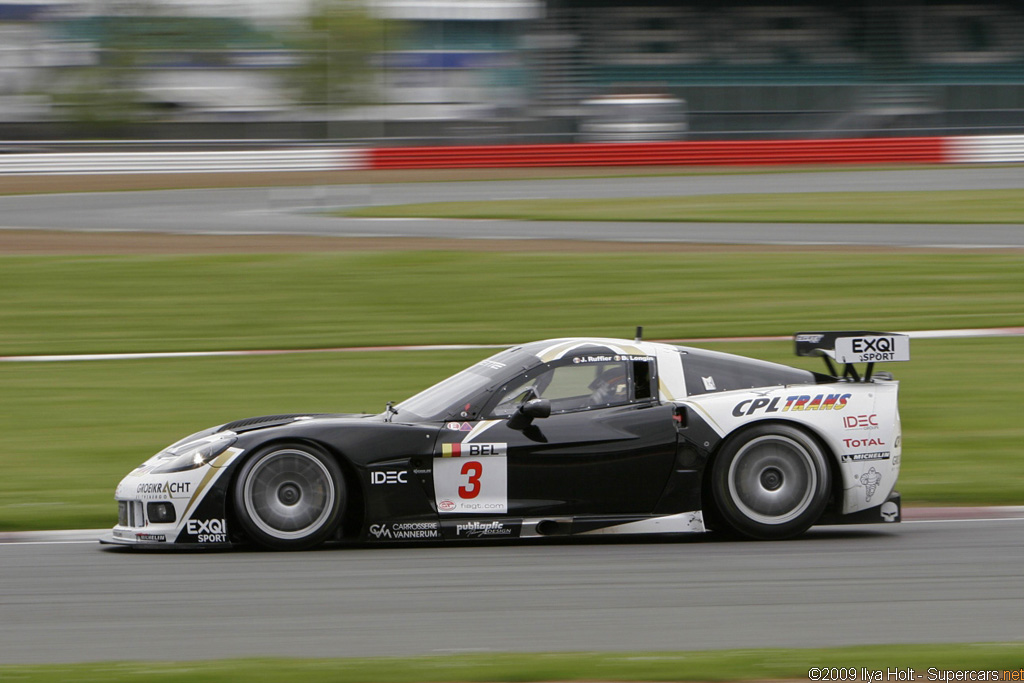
389	477
861	421
752	406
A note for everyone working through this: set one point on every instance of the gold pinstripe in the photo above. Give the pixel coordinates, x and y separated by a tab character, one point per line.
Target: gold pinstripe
211	472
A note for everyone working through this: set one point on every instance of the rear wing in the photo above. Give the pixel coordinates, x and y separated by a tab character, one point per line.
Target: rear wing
854	347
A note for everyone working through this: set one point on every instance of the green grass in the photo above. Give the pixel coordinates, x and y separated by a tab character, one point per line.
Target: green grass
959	206
73	429
930	662
95	304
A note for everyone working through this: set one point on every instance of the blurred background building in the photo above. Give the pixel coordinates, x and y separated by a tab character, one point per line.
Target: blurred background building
469	71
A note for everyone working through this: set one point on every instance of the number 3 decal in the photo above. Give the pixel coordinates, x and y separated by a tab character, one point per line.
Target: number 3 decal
474	470
472	485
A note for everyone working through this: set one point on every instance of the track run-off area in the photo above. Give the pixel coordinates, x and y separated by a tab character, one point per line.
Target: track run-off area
295	211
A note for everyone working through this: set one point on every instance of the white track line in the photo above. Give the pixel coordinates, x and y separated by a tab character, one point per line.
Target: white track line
968	519
920	334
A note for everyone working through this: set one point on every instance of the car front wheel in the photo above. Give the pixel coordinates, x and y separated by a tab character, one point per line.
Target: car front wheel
289	496
771	482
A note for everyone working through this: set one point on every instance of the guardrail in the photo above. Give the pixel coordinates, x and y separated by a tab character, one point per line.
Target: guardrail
926	150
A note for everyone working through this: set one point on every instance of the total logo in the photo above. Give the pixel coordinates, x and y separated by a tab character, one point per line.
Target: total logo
863	443
752	406
389	477
861	421
208	530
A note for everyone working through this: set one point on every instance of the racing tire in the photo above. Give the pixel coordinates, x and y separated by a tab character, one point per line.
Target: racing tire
771	482
289	497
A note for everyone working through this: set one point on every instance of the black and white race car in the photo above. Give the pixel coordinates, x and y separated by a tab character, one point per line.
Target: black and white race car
566	437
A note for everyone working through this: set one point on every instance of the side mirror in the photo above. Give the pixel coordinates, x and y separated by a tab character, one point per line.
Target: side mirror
528	411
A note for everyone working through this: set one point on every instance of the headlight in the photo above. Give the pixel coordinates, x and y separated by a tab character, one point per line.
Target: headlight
188	456
161	512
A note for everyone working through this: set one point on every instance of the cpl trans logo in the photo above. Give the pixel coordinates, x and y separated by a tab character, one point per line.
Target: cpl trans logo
752	406
208	530
389	477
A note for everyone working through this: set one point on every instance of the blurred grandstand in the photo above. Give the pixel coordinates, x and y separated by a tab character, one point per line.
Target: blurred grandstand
430	71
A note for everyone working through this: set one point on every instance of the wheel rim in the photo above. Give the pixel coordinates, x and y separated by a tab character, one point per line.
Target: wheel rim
773	479
289	494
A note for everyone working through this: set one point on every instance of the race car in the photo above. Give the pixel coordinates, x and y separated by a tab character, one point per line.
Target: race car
558	438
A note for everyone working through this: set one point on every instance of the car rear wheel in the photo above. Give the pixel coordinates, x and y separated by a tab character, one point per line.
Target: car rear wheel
771	481
289	497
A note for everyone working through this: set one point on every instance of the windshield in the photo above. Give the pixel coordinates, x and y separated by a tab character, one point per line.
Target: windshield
462	395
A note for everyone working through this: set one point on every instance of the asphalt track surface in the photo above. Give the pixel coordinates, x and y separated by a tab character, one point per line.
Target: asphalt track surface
297	210
917	582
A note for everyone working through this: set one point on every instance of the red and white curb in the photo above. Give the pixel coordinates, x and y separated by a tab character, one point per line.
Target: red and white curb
239	161
989	149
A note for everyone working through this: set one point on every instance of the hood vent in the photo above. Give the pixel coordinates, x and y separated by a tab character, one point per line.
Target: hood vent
250	423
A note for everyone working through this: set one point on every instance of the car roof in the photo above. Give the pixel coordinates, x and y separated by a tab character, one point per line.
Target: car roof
554	349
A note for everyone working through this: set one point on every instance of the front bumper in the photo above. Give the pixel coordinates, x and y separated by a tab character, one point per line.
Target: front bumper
187	508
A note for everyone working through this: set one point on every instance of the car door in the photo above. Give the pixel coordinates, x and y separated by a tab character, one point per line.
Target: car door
608	447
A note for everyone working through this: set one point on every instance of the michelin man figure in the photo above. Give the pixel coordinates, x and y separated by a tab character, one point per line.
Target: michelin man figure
870	480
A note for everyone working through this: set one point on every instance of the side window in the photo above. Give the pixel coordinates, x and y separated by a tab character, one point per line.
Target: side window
643	379
571	386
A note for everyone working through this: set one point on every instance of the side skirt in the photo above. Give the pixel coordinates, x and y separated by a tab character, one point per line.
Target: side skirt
679	523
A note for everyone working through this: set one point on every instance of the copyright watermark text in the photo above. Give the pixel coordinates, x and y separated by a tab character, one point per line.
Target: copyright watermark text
863	674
